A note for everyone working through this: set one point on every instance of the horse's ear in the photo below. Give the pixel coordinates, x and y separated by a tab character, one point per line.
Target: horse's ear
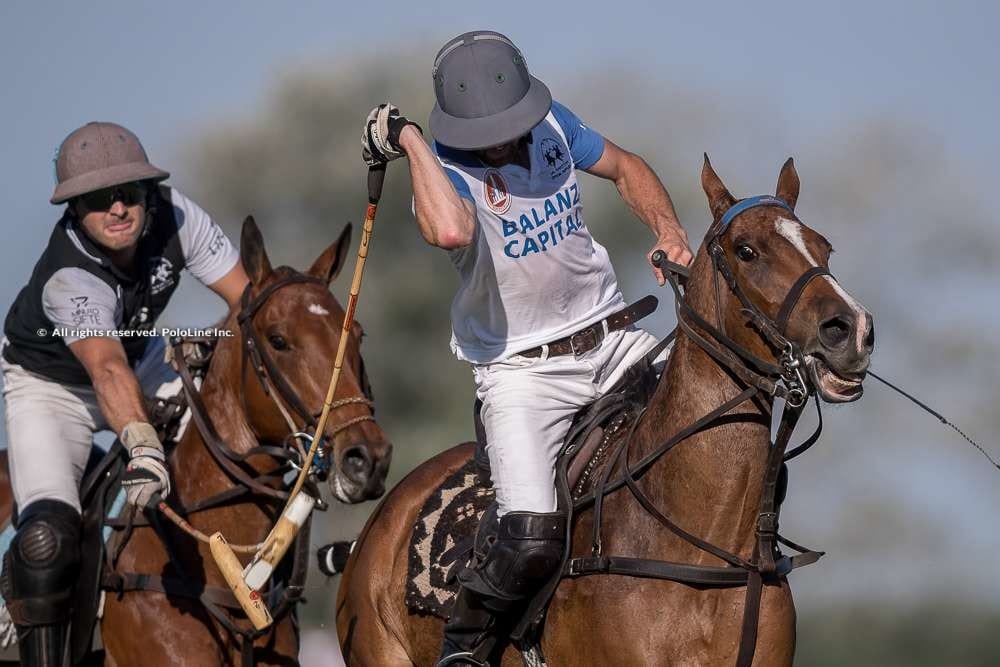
719	199
252	252
788	184
328	265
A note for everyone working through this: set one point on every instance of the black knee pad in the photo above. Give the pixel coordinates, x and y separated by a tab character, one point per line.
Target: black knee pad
522	554
41	566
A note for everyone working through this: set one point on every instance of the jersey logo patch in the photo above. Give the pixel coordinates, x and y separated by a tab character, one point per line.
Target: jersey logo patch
495	192
160	274
555	157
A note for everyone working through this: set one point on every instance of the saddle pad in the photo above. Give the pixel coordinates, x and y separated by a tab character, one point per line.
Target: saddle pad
450	516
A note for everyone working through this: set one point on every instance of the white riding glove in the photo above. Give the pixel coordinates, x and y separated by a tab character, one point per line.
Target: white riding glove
380	135
146	473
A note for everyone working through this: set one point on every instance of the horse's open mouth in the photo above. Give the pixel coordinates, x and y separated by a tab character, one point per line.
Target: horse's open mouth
832	387
345	490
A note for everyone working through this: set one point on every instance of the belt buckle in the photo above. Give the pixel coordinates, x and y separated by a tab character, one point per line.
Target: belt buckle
580	336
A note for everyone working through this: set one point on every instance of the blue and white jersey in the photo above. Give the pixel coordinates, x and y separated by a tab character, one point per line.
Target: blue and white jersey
533	273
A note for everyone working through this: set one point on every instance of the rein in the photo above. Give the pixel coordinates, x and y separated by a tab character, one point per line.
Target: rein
784	380
282	393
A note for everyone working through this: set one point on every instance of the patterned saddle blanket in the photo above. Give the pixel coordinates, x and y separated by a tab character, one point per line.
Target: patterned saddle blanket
448	518
446	525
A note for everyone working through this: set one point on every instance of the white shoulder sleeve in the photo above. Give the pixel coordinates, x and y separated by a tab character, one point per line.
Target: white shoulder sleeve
208	253
80	305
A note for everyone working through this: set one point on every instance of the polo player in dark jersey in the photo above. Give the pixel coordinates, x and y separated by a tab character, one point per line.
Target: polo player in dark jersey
79	356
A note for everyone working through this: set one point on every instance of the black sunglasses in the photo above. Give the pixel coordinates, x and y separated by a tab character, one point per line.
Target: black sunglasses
129	194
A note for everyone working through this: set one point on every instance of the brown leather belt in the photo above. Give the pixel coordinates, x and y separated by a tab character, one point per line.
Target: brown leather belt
588	338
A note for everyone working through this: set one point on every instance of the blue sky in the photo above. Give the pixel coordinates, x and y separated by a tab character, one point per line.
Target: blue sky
161	68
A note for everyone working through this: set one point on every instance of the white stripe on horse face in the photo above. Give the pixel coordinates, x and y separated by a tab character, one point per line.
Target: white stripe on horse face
792	231
317	309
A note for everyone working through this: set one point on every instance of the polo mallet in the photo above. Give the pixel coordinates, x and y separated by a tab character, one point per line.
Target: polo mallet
245	582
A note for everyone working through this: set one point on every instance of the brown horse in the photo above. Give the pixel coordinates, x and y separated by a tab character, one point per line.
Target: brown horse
710	485
297	319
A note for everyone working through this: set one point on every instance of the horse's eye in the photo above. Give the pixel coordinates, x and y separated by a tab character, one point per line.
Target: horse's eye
278	342
746	253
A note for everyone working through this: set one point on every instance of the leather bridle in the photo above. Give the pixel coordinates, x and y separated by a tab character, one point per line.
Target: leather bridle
279	389
283	394
785	379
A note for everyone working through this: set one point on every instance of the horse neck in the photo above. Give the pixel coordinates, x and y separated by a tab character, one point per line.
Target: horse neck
710	483
196	473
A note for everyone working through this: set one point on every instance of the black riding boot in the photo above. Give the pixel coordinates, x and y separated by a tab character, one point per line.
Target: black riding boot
468	635
513	558
42	645
39	572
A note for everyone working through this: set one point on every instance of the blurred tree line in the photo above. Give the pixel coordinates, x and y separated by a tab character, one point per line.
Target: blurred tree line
294	163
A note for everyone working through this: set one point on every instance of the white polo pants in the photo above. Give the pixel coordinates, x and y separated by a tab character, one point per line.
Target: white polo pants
51	426
528	407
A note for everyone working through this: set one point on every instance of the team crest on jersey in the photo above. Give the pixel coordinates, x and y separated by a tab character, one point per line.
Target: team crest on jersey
495	192
554	156
161	274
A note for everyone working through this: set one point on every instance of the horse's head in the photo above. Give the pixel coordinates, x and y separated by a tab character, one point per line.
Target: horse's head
292	325
781	267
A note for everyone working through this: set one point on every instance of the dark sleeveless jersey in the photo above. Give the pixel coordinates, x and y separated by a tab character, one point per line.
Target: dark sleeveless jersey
75	291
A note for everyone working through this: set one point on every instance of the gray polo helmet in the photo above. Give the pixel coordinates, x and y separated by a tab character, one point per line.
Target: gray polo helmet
100	155
485	95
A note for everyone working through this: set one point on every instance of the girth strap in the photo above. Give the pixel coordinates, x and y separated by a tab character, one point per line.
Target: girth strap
697	575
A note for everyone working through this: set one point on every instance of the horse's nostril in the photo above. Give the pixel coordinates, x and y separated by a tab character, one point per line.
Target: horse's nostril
870	336
356	464
835	332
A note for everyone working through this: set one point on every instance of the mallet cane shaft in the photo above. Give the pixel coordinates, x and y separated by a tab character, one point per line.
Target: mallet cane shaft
282	535
376	176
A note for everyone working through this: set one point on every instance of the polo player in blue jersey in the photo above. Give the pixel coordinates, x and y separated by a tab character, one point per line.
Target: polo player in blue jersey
538	313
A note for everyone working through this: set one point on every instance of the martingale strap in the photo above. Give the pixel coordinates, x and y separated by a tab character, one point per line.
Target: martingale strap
220	602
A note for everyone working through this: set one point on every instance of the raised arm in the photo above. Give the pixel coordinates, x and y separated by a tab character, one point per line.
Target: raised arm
445	218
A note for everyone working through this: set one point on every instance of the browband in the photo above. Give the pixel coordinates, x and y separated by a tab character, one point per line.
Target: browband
748	203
